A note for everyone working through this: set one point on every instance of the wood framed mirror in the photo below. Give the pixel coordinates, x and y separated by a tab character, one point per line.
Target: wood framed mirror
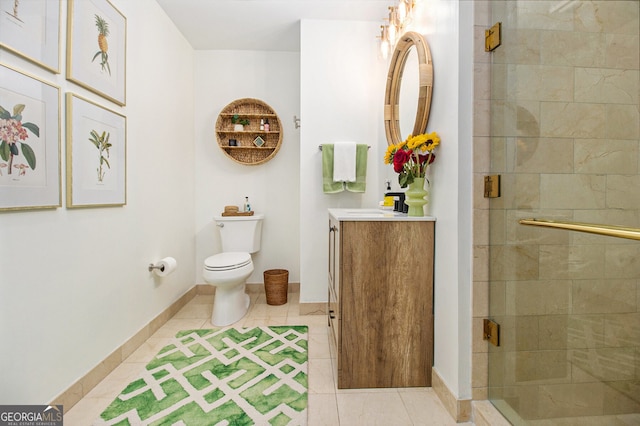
410	43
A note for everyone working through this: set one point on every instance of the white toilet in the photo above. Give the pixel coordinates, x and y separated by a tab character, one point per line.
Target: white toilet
228	271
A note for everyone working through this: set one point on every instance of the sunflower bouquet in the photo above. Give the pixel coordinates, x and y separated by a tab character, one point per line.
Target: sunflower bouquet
412	157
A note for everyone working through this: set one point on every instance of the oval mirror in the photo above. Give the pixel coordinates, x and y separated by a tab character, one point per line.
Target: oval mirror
408	96
410	44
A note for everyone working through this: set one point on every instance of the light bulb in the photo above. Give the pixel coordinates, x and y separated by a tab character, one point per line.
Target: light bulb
391	34
402	11
384	41
384	49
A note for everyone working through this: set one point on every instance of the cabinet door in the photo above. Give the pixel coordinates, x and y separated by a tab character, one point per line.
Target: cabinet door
387	304
333	307
334	254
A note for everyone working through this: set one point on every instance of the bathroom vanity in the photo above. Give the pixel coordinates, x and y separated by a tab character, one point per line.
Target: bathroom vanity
380	312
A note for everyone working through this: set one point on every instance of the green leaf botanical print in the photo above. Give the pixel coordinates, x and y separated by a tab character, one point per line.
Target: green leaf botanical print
13	132
103	33
101	142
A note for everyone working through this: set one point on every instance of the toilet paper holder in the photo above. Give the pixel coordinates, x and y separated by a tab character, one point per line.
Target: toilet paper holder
152	267
163	267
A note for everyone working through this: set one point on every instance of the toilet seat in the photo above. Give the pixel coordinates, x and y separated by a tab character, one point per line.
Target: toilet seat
227	261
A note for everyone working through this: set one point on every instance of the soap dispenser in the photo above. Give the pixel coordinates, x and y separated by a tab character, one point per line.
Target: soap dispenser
247	206
388	199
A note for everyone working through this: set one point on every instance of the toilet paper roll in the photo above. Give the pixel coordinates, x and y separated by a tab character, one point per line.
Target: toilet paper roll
167	266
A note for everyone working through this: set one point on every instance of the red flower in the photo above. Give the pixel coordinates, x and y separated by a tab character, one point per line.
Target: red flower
400	158
423	158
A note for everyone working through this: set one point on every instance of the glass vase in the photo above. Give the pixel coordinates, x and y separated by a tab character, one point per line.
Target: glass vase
415	197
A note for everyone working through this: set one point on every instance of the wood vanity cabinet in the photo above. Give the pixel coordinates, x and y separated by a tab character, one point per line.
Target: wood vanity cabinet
381	302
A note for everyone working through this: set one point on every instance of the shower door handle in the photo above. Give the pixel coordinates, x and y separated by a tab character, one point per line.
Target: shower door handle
592	228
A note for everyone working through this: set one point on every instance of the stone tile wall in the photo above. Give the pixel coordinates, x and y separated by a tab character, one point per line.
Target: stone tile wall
562	123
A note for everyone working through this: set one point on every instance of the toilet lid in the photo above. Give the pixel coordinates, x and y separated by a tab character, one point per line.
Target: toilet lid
226	261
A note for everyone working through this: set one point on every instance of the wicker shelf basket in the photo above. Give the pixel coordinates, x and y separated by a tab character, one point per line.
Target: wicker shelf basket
246	151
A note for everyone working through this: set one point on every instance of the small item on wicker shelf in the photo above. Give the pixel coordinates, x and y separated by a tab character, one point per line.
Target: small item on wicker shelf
266	125
231	209
262	124
247	206
258	141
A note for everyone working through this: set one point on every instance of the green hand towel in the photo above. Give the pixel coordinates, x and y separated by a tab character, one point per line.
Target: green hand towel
360	185
328	185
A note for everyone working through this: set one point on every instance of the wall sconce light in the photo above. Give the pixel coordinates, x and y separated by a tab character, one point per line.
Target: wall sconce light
400	17
405	11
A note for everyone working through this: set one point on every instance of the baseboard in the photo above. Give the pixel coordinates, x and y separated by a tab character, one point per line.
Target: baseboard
485	414
259	287
85	384
459	409
303	308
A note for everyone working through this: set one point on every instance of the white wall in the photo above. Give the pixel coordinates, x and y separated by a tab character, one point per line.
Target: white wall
342	98
74	284
272	187
343	92
448	29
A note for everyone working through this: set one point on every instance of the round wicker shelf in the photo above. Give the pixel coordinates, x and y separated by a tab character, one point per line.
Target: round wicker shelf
254	146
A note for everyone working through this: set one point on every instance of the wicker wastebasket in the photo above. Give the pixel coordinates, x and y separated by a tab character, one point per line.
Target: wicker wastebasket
276	286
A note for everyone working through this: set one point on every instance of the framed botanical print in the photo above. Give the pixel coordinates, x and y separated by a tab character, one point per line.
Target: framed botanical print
31	29
29	142
96	154
96	48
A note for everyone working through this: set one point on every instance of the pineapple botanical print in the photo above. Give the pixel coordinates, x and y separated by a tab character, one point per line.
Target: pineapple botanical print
102	143
103	33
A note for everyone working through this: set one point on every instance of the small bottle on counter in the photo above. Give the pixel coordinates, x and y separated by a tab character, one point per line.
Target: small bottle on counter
266	125
247	206
262	124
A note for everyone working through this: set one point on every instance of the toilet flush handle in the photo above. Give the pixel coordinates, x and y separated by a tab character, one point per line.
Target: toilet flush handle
220	225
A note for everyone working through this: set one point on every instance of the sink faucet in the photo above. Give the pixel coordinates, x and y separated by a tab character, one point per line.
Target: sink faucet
398	201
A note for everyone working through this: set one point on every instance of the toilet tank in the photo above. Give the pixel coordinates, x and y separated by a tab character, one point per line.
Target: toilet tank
240	233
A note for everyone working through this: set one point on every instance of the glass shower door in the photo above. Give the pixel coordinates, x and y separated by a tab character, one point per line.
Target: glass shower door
565	138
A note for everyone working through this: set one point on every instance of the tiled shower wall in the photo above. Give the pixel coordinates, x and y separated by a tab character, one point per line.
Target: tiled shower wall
564	134
481	167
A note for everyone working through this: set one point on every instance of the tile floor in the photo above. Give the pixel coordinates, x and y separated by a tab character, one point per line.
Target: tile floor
327	405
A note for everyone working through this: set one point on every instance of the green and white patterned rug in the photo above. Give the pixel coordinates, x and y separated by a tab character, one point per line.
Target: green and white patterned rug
236	376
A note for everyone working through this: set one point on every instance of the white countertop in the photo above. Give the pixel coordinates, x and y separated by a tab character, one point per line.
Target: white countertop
375	214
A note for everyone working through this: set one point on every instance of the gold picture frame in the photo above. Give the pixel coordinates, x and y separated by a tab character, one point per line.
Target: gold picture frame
31	29
96	48
29	142
96	154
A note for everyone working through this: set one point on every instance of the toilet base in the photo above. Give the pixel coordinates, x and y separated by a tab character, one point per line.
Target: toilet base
230	305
